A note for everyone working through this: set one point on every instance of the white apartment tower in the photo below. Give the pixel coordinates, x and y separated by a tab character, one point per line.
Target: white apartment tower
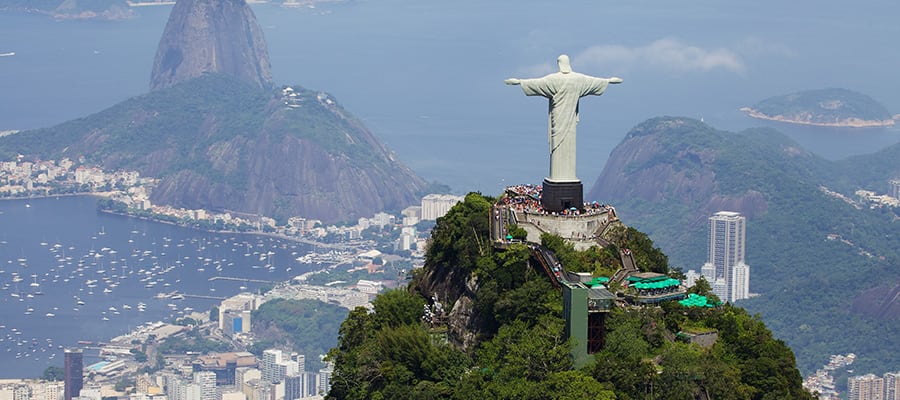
725	268
892	386
865	387
325	378
275	366
206	380
435	206
269	367
895	188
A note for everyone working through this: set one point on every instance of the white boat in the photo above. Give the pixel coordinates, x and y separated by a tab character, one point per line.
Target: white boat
51	314
10	54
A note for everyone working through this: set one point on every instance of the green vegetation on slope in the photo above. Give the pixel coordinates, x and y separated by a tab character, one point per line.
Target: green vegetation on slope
192	340
870	171
182	121
308	327
217	143
191	122
521	351
807	283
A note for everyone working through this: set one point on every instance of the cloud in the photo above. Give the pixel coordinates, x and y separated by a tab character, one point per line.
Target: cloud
667	54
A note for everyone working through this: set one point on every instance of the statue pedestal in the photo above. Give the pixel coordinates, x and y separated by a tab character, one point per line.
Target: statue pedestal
558	196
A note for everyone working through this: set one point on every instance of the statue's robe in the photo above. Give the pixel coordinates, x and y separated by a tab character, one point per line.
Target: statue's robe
564	91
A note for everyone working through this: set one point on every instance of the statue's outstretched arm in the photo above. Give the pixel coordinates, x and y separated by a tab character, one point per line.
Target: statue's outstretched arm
512	81
615	79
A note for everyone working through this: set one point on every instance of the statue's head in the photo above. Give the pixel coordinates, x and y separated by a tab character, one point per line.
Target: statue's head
563	62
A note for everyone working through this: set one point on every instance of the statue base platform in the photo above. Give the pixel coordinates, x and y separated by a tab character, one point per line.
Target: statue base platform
559	196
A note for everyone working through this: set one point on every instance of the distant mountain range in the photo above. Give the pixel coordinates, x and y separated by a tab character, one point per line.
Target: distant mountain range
824	107
113	9
821	296
221	136
72	9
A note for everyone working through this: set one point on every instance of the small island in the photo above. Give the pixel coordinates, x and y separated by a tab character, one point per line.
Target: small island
72	9
824	107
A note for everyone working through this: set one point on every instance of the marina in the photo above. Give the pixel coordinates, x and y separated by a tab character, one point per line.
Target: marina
98	275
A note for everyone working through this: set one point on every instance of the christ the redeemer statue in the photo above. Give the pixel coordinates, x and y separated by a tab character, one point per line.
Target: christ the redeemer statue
564	89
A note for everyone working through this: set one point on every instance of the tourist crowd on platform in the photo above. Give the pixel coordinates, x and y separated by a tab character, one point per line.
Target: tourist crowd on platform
527	199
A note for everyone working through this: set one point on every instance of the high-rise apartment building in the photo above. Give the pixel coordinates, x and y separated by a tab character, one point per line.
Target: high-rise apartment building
895	188
865	387
49	391
246	374
295	386
206	380
325	378
725	268
270	360
435	206
892	386
74	373
21	392
238	303
275	366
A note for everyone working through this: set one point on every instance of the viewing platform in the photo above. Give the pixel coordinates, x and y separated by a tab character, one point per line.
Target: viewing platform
653	288
518	218
520	205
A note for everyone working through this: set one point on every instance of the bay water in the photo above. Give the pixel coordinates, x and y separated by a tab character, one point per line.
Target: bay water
71	273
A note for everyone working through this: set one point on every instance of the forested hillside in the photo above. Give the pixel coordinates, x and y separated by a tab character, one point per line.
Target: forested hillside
218	143
308	327
818	261
520	351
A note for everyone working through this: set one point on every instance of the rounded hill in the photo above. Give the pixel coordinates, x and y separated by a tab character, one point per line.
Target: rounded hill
823	107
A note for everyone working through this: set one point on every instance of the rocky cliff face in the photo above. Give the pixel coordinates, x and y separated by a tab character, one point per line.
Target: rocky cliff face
219	136
211	36
217	143
653	164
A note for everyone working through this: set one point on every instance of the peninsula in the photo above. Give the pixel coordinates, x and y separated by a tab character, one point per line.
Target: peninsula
824	107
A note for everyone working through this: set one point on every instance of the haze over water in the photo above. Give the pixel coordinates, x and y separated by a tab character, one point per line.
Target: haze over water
427	78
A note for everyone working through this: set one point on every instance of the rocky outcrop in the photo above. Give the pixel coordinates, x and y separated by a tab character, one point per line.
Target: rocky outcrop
220	137
457	288
216	143
211	36
287	176
648	166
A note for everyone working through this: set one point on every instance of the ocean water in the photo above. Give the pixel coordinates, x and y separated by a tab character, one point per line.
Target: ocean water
82	274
